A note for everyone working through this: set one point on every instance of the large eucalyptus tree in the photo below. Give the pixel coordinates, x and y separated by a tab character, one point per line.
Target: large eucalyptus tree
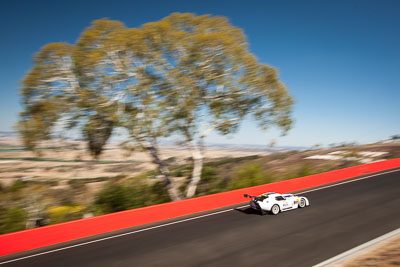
185	74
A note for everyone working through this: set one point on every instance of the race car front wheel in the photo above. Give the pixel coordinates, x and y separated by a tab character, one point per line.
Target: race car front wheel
302	203
275	209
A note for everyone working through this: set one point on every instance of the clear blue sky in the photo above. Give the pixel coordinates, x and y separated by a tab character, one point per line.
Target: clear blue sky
340	59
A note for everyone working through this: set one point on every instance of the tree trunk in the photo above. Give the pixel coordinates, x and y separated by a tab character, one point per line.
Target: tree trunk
197	156
172	190
197	150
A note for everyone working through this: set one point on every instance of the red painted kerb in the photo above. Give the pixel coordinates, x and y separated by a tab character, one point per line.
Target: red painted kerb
63	232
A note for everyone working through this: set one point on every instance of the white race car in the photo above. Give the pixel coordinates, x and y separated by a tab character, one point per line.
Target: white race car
274	202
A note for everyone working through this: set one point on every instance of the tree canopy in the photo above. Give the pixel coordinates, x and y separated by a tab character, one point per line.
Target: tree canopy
185	74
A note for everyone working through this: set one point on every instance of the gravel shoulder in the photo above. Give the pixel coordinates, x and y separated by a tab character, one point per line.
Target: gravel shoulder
386	253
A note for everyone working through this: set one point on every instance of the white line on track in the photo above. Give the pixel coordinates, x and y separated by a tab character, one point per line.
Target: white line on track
180	221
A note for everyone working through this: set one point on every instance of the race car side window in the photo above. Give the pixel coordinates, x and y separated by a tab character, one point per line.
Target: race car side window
279	198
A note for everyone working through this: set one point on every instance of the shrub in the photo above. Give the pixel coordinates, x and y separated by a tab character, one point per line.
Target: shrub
17	185
210	182
157	194
250	175
131	194
12	219
305	170
278	156
181	171
58	214
112	198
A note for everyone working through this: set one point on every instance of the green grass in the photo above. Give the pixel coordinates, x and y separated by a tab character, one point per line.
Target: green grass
230	160
12	150
88	180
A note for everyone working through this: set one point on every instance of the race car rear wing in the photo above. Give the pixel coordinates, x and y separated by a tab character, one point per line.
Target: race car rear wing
246	195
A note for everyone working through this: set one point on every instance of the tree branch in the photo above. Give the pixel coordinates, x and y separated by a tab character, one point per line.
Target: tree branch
216	126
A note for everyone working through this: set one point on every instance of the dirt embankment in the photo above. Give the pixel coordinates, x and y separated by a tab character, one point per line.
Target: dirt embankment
385	255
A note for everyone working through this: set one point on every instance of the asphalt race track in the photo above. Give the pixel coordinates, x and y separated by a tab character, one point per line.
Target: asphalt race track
339	218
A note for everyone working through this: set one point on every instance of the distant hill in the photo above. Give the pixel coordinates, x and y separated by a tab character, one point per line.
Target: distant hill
8	134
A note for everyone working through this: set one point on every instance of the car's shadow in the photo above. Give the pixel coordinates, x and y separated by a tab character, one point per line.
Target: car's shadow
248	211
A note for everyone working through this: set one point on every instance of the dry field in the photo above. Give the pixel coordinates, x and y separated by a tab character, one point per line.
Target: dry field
73	162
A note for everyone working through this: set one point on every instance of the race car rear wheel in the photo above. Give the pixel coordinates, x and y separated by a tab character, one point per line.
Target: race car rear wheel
275	209
302	203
